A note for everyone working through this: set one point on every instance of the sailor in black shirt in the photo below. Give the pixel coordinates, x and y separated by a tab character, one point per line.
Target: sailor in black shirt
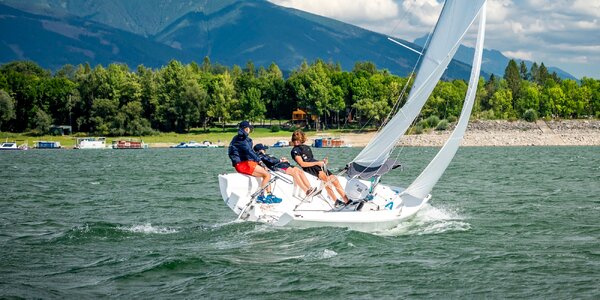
302	154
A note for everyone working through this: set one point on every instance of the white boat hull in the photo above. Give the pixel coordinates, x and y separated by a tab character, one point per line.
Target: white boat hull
91	143
386	210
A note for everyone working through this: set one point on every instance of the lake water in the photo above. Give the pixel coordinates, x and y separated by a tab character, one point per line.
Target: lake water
510	222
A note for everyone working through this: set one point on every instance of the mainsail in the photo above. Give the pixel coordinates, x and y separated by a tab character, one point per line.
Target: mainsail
456	18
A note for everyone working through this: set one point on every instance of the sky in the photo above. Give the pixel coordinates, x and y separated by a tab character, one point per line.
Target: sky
559	33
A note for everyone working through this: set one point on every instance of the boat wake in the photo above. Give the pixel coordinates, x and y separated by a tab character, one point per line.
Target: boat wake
430	220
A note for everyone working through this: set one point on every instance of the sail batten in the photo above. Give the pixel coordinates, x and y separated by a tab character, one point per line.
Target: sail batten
456	18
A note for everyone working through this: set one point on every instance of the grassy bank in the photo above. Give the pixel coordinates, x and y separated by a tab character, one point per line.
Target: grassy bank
214	135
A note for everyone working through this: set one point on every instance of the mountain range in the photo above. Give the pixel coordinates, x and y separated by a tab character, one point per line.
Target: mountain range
494	62
151	32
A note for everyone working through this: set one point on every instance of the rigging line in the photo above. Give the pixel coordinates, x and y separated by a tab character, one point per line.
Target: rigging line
396	106
365	125
412	73
389	150
346	119
406	11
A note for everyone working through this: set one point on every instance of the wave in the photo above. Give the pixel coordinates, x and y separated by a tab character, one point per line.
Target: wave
103	231
147	229
430	220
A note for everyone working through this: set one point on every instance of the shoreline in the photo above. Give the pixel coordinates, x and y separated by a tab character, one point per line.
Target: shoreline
480	133
486	133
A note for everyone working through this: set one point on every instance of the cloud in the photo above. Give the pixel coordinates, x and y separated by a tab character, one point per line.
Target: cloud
587	24
422	12
497	11
524	55
587	7
554	32
574	59
350	11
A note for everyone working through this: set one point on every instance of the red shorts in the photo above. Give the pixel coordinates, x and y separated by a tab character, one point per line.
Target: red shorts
246	167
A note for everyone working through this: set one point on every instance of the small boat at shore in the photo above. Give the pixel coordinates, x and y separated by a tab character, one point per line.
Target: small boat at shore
13	146
193	144
209	144
329	143
90	143
128	144
281	143
46	145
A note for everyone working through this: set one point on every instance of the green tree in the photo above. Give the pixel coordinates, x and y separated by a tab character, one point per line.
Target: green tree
364	69
171	88
25	68
491	86
530	98
223	101
190	103
246	79
41	121
582	98
56	98
105	118
553	101
513	78
479	97
501	104
272	86
133	122
543	75
206	65
149	85
535	73
593	86
67	71
7	108
525	75
573	103
314	90
82	105
22	81
252	105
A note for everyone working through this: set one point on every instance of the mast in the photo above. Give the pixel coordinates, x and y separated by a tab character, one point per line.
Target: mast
456	18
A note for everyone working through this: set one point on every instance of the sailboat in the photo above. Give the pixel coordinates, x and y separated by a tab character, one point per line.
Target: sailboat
380	206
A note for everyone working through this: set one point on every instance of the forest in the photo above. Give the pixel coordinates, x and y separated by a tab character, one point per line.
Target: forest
116	101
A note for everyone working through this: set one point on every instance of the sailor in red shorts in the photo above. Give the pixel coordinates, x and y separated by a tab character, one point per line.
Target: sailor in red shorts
245	161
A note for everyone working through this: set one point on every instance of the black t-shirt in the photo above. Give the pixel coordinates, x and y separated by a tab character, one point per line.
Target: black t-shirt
306	153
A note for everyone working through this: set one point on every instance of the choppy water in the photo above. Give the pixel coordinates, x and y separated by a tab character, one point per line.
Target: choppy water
514	222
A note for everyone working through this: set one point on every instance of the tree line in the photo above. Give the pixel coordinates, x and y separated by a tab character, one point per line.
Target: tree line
115	100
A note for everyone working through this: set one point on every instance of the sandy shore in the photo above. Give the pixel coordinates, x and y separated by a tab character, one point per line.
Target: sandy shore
493	133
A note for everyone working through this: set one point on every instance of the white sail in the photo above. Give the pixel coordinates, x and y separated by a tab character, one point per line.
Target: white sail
456	18
422	186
